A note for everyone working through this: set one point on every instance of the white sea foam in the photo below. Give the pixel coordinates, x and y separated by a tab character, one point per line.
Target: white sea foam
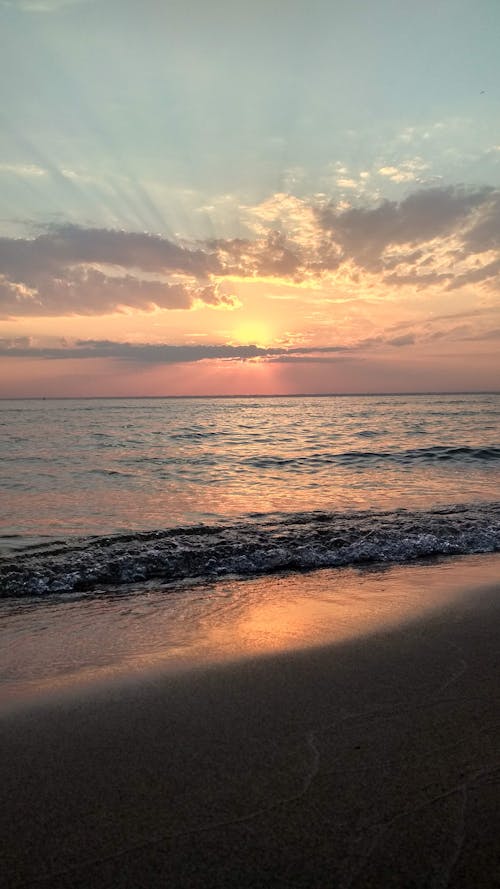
262	544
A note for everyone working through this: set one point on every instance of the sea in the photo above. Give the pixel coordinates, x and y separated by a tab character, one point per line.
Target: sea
104	499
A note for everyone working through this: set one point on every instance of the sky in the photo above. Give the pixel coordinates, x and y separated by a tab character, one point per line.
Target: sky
206	197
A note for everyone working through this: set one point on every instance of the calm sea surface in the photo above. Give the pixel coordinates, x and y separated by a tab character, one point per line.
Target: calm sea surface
111	491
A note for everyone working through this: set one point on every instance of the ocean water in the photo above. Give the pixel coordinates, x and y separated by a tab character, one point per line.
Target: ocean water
100	494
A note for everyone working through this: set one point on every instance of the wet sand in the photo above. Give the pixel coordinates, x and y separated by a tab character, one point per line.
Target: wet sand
371	762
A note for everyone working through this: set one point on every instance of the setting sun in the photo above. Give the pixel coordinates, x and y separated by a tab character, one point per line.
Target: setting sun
252	332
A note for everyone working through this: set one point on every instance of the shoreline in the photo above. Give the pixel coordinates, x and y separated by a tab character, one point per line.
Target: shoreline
369	761
67	645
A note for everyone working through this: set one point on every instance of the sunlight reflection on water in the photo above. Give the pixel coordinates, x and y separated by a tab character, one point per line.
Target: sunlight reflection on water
98	466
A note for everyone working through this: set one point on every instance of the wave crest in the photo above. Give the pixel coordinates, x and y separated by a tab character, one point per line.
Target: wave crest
260	544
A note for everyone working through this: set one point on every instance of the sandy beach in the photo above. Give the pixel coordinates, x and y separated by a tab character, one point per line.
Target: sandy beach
372	761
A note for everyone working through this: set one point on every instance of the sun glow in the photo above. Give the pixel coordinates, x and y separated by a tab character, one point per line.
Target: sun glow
252	332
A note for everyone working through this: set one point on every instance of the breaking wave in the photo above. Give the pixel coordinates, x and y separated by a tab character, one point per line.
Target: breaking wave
255	545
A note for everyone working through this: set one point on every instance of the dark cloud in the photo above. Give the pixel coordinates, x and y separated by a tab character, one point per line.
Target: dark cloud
55	274
406	339
152	353
406	259
485	335
365	233
453	333
273	256
487	272
73	244
72	270
69	245
310	359
417	279
485	233
90	292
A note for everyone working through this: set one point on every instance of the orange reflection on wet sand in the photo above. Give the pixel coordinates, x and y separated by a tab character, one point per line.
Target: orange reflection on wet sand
62	646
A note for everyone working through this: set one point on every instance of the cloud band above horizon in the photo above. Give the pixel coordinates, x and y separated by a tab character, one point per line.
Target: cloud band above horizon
443	238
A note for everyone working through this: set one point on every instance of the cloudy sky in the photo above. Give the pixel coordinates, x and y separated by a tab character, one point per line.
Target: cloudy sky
276	196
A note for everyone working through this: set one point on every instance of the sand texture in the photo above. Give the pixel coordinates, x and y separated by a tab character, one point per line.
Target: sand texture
369	763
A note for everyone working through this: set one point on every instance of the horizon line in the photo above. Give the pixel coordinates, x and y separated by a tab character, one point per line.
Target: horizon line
419	392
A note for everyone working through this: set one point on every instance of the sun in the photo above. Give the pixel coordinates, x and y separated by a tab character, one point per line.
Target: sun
256	333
